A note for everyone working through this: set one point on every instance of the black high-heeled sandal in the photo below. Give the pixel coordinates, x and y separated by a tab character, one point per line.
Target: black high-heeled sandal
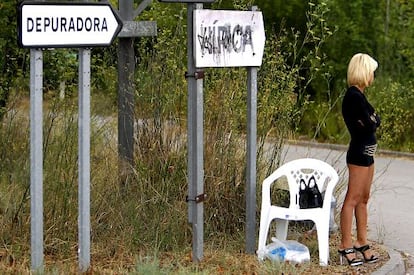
362	250
352	262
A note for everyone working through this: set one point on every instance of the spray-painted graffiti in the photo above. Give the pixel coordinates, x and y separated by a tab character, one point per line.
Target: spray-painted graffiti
225	39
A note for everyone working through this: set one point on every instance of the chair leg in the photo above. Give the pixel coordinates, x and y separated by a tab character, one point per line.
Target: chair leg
281	229
263	232
322	228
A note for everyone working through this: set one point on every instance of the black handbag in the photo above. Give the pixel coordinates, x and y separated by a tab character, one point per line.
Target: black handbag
309	194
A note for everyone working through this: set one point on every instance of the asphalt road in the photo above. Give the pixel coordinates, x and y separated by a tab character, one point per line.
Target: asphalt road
391	206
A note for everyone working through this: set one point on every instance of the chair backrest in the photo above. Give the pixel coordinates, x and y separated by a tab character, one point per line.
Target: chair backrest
303	169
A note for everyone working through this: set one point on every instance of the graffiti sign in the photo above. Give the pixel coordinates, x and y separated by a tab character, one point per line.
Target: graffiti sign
228	38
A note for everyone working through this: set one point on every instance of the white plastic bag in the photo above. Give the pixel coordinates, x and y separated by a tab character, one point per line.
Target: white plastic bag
289	250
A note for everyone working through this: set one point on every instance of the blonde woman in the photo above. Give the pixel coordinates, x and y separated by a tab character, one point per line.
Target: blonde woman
362	122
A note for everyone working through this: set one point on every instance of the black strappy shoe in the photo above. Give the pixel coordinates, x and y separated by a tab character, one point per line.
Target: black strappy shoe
362	250
352	262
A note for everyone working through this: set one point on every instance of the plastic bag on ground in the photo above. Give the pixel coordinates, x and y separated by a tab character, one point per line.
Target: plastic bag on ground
288	250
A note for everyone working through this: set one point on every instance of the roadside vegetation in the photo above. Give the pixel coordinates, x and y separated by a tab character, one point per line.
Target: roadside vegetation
141	227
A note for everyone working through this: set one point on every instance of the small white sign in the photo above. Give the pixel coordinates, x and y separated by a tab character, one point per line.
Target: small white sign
224	38
43	24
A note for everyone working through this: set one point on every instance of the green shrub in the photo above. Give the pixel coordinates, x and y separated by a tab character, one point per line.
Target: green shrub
394	103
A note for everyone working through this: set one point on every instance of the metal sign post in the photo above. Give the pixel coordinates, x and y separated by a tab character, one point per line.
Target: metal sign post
84	223
36	158
195	160
195	143
84	144
50	25
251	158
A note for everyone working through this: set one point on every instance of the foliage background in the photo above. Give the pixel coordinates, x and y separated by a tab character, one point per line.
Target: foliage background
301	83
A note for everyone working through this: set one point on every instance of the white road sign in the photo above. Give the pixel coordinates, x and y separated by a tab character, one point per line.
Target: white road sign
224	38
49	25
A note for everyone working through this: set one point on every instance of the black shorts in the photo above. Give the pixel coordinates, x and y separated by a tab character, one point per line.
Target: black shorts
361	155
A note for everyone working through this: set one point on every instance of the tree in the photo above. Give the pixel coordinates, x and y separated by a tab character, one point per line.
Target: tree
12	59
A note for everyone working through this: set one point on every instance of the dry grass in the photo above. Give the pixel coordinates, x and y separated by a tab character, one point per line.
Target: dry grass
123	237
125	228
229	259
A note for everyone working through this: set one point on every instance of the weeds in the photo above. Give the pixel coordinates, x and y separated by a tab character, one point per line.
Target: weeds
148	215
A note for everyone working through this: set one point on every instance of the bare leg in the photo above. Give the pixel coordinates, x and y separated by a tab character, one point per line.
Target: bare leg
357	176
361	212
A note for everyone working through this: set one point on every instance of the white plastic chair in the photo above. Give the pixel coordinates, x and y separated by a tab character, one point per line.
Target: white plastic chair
326	179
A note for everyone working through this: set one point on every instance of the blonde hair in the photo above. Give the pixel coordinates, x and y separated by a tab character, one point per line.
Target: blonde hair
361	69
